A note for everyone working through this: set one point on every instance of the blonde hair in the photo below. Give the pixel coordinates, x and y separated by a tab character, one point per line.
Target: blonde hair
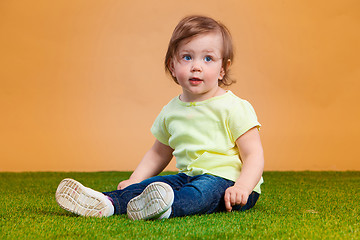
192	26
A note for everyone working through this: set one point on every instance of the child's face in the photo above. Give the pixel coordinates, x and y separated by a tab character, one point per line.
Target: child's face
198	66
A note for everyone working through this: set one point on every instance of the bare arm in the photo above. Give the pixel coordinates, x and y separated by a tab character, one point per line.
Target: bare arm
153	162
251	153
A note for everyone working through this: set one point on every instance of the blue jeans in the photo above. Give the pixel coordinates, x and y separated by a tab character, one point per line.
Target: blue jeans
200	194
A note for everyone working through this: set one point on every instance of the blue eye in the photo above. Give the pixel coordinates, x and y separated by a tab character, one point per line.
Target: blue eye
187	58
208	59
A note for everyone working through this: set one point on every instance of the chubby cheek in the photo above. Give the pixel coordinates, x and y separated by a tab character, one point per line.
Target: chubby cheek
213	74
182	79
180	73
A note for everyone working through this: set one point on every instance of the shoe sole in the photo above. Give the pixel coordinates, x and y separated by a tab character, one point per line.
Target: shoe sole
155	200
74	197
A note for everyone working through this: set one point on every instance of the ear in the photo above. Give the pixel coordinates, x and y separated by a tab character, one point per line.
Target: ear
222	71
171	67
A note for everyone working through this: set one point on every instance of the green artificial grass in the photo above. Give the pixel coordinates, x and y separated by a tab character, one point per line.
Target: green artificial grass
293	205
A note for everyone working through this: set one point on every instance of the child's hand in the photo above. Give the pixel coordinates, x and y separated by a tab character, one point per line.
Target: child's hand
125	183
235	195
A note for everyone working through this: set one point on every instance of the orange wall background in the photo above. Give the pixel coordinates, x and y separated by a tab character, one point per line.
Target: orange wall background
82	81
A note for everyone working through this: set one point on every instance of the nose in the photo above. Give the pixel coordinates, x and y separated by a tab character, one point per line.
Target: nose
196	67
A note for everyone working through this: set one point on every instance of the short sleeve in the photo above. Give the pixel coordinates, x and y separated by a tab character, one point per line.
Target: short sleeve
159	129
242	118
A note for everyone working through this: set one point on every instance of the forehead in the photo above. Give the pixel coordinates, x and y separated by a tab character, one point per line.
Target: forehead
209	40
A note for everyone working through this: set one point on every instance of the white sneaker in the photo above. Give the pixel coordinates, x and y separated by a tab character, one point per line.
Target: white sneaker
153	203
74	197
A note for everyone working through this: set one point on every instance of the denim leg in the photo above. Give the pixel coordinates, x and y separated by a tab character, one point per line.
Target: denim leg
202	194
122	197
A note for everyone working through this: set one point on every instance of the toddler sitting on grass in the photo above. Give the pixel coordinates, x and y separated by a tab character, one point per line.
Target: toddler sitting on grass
212	133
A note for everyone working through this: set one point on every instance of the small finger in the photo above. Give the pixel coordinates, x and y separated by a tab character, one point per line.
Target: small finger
227	203
238	199
233	199
243	201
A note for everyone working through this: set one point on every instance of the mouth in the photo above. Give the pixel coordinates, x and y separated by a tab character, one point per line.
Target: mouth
195	81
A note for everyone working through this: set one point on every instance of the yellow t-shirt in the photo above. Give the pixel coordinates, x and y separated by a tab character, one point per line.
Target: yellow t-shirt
203	134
